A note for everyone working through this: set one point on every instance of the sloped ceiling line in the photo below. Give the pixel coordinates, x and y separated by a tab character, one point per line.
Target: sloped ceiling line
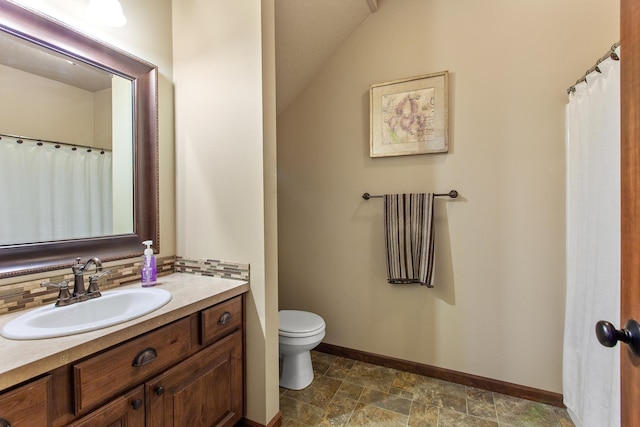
307	33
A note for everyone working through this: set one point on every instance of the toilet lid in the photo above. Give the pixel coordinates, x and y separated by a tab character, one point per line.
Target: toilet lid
296	323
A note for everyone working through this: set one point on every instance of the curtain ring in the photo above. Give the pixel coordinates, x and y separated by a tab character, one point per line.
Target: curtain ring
614	55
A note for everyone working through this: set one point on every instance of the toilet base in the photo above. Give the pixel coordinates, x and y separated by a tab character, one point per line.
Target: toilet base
296	371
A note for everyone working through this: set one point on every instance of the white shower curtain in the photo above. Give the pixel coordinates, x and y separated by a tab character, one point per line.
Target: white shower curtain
50	193
591	372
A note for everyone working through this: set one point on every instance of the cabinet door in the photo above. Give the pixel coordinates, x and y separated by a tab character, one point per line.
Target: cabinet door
27	405
125	411
204	390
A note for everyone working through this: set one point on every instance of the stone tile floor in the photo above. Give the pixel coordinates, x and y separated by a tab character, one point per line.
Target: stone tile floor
345	392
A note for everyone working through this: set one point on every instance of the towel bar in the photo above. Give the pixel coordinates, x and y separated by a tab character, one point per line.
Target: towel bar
453	194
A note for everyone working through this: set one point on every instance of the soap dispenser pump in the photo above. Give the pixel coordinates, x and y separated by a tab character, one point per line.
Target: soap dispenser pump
149	272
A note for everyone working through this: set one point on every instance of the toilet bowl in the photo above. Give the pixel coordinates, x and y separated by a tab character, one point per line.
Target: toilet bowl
299	332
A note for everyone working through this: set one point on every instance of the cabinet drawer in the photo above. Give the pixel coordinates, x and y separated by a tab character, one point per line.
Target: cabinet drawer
221	320
103	376
27	405
126	410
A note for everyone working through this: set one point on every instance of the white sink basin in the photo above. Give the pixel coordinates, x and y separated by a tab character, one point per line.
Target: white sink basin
112	308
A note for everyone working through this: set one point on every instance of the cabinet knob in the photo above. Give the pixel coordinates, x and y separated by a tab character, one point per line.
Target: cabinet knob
136	404
4	423
159	390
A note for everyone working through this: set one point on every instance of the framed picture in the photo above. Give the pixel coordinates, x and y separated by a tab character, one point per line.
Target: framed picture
410	116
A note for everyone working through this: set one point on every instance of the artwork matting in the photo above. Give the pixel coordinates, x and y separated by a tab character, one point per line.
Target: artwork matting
409	116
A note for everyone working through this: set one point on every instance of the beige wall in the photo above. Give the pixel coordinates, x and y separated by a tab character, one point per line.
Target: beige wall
41	108
498	303
272	373
65	114
122	173
103	125
220	166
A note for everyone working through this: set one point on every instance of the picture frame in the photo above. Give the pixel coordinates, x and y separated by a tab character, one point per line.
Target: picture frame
410	116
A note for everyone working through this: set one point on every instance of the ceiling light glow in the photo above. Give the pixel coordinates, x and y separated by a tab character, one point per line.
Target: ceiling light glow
108	11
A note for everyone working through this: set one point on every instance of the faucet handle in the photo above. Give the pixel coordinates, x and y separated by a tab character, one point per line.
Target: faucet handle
64	296
59	285
99	275
93	291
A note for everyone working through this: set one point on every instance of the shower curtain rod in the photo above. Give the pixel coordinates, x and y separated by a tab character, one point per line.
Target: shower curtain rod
611	54
453	194
40	141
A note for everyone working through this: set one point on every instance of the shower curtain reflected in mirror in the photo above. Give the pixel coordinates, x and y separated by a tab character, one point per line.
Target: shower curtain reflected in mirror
50	193
591	372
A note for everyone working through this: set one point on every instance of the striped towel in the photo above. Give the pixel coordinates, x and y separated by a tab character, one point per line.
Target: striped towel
408	226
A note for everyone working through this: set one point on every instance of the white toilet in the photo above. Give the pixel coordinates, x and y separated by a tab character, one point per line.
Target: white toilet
299	333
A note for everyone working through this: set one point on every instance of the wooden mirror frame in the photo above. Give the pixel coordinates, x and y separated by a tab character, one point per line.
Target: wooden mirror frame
20	259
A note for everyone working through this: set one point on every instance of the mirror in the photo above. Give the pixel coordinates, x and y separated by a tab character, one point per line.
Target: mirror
63	125
133	135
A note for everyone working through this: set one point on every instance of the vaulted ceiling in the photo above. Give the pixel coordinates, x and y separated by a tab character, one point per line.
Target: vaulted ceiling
307	33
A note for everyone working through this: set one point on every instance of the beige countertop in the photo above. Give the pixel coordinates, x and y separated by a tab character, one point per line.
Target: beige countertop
22	360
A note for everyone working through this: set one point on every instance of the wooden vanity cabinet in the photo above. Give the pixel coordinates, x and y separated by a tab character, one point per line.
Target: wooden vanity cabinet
190	373
204	390
27	405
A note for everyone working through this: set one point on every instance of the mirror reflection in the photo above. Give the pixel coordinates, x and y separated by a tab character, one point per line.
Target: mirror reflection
66	147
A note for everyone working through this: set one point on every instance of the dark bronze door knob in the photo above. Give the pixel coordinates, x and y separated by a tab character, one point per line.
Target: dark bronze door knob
609	336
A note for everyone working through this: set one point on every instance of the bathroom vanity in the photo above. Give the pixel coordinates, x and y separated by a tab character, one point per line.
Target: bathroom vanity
182	364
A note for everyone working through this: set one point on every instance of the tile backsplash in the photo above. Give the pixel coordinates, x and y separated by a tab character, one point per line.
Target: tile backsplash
29	294
212	267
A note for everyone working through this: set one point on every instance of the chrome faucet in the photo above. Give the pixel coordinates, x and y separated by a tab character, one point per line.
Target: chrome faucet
79	292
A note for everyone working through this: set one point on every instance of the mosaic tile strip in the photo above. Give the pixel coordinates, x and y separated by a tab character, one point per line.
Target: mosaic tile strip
212	267
29	294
